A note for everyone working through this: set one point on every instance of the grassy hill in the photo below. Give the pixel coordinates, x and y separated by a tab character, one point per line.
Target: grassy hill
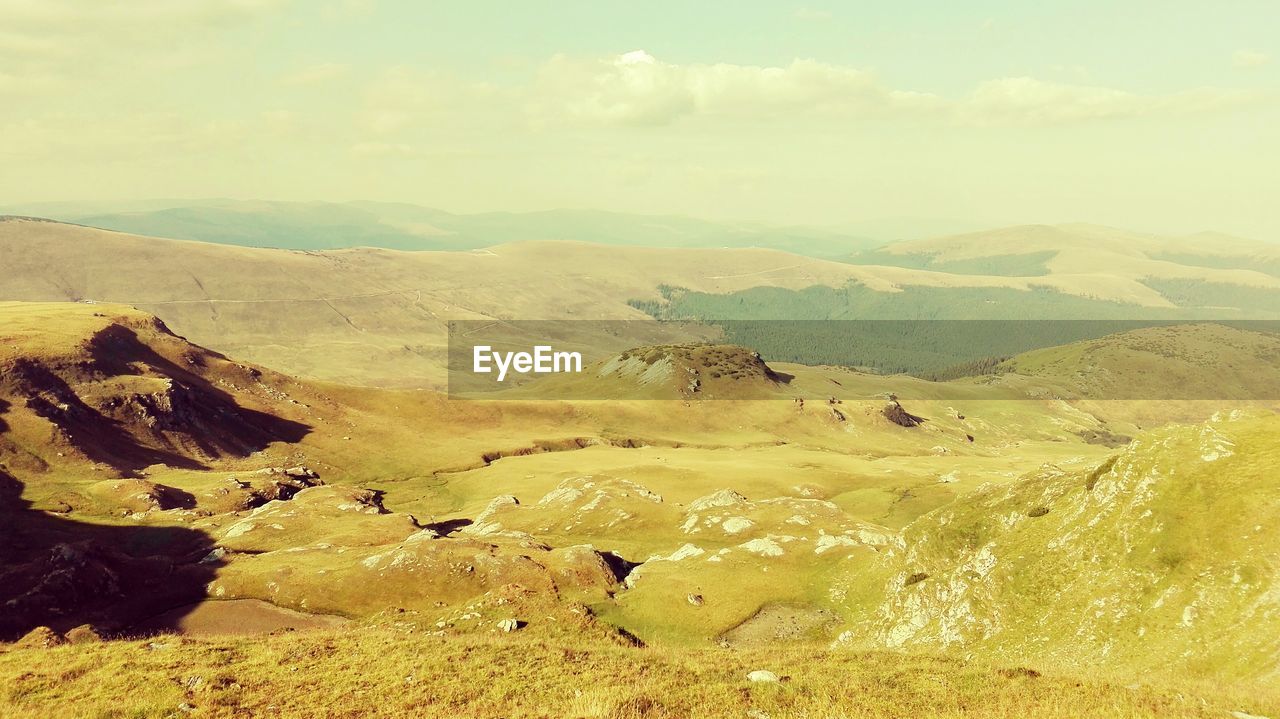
1187	362
1161	559
1083	248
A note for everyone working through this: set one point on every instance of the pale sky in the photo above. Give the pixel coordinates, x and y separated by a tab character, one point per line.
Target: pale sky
1157	115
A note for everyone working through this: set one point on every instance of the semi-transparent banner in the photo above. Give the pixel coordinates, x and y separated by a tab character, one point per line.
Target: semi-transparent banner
850	359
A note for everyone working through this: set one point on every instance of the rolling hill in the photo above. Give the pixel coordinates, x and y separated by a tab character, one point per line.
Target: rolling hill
378	317
1084	249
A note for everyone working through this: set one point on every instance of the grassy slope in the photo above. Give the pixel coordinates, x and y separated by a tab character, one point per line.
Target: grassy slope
389	673
1190	362
1162	559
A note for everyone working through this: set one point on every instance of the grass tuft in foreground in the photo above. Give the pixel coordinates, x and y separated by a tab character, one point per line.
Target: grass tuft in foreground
387	673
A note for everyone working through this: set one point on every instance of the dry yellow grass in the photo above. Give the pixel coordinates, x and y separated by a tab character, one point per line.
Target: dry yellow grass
381	672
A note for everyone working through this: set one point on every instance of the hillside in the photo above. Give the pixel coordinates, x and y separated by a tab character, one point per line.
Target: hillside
1161	559
142	475
1083	249
1181	362
92	404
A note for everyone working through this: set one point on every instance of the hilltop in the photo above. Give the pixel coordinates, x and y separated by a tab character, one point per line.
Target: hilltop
689	371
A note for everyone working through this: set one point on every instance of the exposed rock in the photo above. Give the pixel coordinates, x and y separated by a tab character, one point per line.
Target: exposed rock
694	599
83	634
214	556
497	504
831	541
762	675
765	547
722	498
508	625
684	552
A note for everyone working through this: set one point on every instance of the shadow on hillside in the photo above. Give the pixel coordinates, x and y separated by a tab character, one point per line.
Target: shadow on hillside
192	415
447	527
62	573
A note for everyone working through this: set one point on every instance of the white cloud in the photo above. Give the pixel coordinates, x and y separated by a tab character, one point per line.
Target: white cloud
1250	58
636	88
1028	101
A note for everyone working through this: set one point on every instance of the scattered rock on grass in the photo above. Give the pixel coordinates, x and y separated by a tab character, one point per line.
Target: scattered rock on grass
762	675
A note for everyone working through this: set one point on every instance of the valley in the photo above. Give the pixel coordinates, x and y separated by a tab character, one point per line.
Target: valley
682	502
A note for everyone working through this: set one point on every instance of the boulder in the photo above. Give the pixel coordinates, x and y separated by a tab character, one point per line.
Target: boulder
762	675
83	634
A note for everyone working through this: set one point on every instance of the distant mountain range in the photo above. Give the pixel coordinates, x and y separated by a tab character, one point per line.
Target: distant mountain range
377	316
399	226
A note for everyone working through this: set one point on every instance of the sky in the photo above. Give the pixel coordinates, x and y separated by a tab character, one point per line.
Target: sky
1160	116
